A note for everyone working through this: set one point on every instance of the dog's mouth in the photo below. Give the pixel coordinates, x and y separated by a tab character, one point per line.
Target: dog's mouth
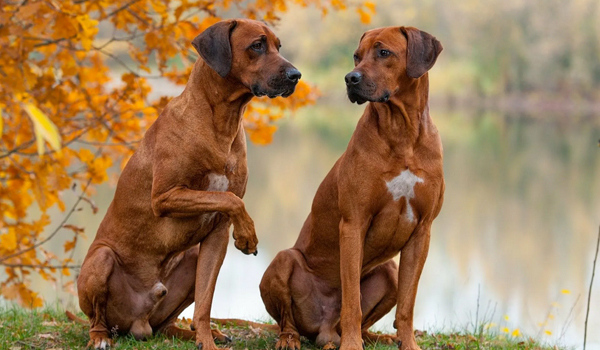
284	90
360	98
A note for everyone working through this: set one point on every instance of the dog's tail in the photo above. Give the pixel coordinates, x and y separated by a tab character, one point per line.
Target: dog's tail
71	316
243	323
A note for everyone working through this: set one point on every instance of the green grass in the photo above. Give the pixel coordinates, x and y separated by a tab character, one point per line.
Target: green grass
22	329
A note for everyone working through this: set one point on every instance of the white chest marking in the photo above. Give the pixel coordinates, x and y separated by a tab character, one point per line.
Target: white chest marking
217	183
403	185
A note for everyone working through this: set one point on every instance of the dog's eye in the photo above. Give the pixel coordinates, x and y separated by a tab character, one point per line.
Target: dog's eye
356	58
257	46
384	53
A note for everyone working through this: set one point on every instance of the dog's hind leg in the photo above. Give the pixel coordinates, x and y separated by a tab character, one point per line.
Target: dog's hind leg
292	297
92	285
180	294
277	297
378	291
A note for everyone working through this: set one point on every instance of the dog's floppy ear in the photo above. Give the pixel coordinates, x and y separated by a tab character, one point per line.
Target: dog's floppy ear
421	52
214	47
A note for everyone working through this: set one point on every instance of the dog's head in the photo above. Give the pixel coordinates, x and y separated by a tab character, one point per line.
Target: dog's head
248	51
388	59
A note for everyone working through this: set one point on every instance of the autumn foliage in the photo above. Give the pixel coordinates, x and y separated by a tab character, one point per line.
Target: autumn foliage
75	83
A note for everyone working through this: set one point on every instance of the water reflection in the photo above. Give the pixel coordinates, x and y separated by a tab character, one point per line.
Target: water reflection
518	226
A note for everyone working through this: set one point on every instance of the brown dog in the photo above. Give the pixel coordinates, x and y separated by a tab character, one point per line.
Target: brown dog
379	199
182	187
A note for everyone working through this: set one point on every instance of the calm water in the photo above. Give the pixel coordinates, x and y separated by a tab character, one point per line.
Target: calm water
516	234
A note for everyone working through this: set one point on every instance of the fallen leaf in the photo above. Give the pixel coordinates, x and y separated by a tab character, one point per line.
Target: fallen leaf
45	336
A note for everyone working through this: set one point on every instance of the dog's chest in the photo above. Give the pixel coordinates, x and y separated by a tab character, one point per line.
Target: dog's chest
217	182
402	188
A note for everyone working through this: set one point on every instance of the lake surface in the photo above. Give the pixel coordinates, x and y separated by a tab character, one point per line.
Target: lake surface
515	237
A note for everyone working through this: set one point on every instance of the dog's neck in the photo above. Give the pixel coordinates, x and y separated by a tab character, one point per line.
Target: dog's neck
400	120
228	98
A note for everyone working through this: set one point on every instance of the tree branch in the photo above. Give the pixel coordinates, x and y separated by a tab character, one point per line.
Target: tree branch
60	226
31	266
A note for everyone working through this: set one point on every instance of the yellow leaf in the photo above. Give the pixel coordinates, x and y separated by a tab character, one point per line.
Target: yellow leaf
89	28
8	241
565	291
338	4
364	16
86	156
69	245
548	332
516	332
506	317
37	301
10	291
44	129
66	272
262	135
370	5
505	330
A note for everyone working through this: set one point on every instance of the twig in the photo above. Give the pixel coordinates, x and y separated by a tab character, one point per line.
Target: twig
122	8
587	311
63	222
569	319
39	266
477	311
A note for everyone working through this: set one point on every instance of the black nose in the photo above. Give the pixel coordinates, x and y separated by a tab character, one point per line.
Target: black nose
293	74
353	78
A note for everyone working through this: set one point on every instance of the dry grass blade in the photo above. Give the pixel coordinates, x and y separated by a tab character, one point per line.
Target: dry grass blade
587	311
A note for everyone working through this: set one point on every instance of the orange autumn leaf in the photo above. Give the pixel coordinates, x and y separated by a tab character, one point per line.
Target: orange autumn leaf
262	135
69	245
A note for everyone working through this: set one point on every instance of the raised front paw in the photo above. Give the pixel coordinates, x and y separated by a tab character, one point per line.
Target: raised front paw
245	237
288	341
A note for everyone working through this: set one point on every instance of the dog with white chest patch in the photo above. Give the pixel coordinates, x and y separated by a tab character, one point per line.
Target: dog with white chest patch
379	199
165	235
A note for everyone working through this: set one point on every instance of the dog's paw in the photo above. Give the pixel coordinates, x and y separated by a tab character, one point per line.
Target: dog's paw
330	346
246	243
288	341
219	336
99	343
408	345
387	339
208	346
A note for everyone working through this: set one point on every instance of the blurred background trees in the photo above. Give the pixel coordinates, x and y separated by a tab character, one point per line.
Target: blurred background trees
493	50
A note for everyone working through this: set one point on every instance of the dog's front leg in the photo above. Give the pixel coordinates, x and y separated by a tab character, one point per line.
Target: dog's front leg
180	201
412	260
210	259
351	250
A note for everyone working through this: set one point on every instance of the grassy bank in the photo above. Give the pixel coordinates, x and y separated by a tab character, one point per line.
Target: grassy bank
49	329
